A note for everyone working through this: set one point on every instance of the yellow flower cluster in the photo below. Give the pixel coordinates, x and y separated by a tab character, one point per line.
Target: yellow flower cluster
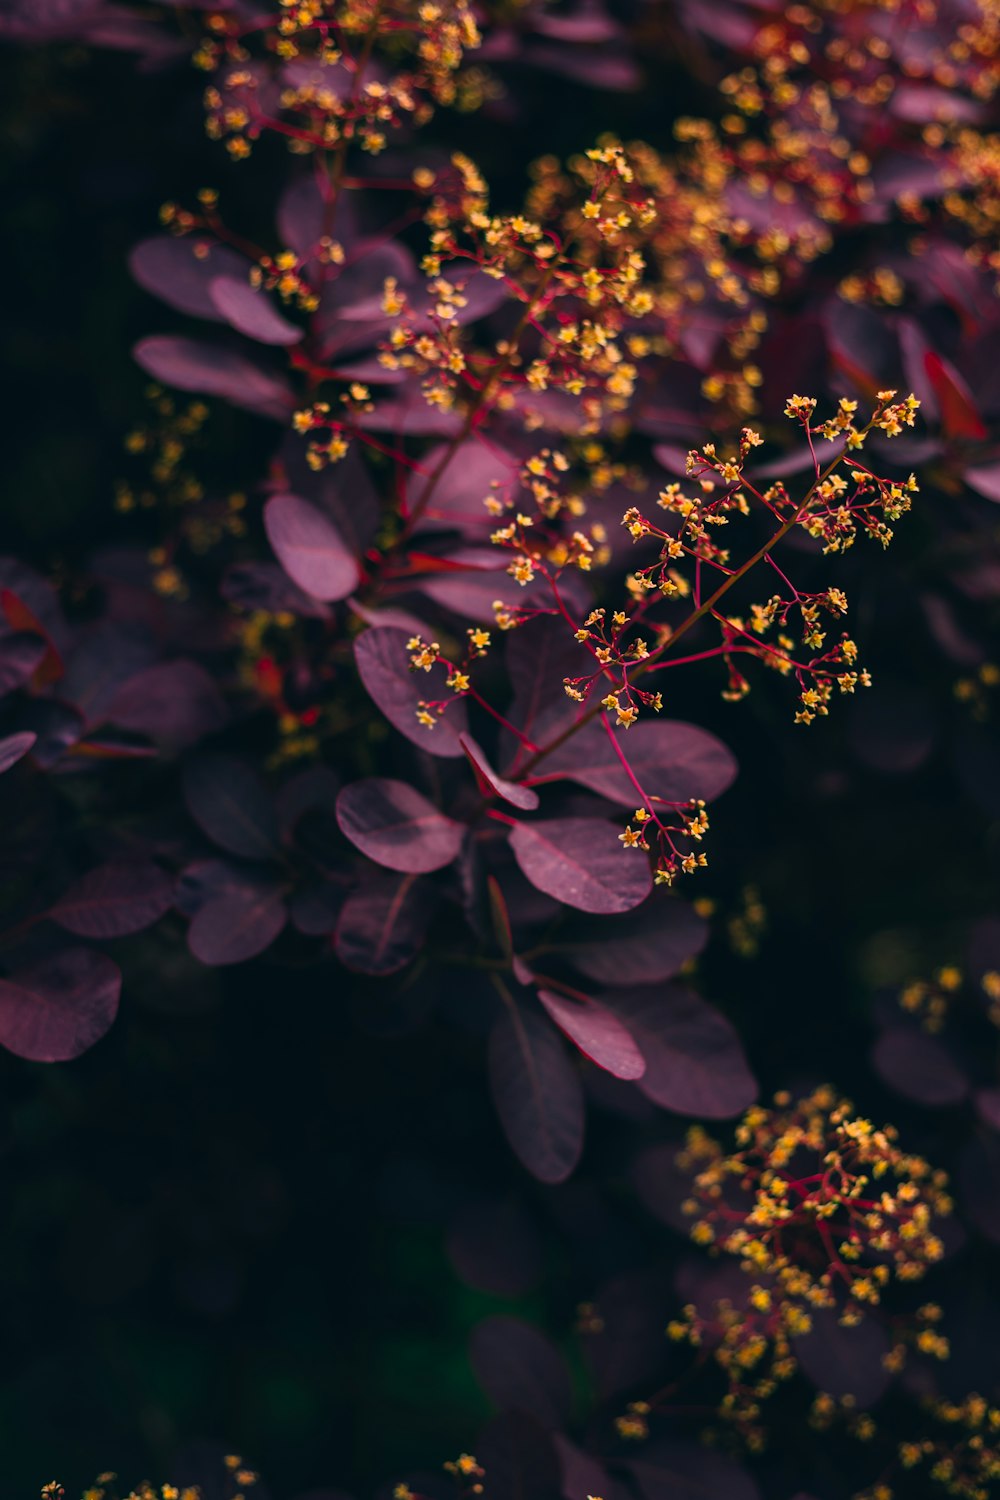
823	1211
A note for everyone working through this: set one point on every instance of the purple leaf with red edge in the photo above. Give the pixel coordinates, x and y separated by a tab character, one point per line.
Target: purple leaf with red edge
14	747
919	1067
59	1008
383	924
521	1370
236	926
598	1033
181	271
212	370
694	1062
310	548
176	702
646	946
582	862
959	416
490	781
251	311
384	666
844	1361
114	900
397	827
231	805
674	761
537	1093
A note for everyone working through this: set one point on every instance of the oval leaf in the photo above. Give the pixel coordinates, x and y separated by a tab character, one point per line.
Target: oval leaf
383	924
212	370
672	760
537	1094
598	1033
175	702
59	1008
310	548
395	826
582	862
232	928
521	1370
646	946
251	312
844	1361
115	900
694	1062
383	663
181	271
919	1067
230	804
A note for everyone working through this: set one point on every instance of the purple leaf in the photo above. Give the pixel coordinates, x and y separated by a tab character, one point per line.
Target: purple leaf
985	480
919	1067
670	1470
625	1350
383	663
646	946
59	1008
537	1094
582	1474
987	1102
266	586
395	826
520	1370
114	900
675	761
239	925
694	1062
251	311
14	747
598	1033
844	1361
472	475
304	217
494	1248
175	702
230	804
181	271
310	548
20	654
489	780
212	370
539	656
582	862
383	924
518	1459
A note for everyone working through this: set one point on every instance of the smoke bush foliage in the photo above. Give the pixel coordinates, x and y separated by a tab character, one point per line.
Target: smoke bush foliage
395	711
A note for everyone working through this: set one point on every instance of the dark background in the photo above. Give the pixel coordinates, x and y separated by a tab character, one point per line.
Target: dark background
228	1220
